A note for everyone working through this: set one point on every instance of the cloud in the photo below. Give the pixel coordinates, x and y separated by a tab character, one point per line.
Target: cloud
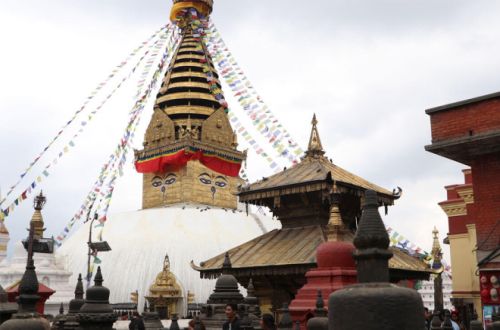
368	69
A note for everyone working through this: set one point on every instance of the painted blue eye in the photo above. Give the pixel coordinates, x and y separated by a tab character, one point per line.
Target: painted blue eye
170	180
220	184
156	182
205	181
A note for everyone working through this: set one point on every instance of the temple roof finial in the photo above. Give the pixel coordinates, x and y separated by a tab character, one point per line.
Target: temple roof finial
436	251
37	218
315	148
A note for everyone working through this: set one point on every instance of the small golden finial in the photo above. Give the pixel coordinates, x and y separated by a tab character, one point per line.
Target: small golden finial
315	148
436	247
37	219
335	229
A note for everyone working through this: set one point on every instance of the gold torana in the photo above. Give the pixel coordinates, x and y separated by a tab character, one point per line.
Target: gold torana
165	292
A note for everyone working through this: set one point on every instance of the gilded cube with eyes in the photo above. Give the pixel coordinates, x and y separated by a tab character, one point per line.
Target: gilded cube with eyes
193	183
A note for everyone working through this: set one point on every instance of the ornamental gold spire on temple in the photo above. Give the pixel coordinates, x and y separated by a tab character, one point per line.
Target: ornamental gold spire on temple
314	148
37	218
189	153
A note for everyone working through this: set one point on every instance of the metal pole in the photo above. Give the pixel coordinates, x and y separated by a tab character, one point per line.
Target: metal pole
30	242
89	249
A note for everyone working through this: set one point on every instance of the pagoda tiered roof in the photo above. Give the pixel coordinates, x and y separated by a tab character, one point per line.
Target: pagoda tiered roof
293	251
315	201
315	172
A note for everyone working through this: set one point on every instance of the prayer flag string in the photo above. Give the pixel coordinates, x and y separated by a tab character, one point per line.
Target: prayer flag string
399	241
199	27
71	144
104	186
93	95
261	116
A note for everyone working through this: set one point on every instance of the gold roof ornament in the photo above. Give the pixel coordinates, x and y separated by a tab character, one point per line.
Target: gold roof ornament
436	247
314	172
335	230
37	218
314	148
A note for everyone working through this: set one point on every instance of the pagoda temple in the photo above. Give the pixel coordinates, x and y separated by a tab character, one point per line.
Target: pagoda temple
315	201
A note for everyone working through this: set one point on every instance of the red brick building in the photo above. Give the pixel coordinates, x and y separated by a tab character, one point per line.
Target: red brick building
469	132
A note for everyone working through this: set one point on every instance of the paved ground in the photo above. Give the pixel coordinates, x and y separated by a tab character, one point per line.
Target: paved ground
123	325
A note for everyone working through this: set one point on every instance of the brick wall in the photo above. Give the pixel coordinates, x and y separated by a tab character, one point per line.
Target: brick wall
469	119
486	171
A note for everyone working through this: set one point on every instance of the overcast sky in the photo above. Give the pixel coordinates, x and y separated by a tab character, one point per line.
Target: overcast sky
368	69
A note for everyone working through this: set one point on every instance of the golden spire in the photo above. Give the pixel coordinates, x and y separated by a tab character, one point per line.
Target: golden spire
436	247
190	121
37	219
315	148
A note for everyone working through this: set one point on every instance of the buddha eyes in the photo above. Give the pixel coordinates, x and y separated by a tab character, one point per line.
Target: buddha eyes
221	184
219	181
170	179
158	181
205	180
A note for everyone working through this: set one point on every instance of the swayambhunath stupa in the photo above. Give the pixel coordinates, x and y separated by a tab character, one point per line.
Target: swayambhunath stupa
303	246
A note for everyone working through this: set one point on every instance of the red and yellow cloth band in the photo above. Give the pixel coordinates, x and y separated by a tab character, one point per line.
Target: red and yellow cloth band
178	159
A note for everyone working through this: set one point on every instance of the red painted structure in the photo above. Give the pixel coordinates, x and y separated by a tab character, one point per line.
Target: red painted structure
336	269
43	291
469	133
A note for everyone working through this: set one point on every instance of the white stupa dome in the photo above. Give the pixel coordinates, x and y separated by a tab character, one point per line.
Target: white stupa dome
140	240
49	270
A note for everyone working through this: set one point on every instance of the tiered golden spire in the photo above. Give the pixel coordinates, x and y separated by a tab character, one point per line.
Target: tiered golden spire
314	148
436	246
190	115
37	218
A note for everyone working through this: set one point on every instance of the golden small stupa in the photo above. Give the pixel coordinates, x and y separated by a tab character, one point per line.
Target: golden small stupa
165	293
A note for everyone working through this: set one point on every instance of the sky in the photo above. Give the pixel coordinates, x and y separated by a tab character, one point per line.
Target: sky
368	69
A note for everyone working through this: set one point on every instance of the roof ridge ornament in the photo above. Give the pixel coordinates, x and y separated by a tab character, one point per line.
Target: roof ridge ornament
314	148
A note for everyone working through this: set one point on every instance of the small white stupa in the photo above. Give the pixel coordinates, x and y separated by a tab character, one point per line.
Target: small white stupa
49	271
